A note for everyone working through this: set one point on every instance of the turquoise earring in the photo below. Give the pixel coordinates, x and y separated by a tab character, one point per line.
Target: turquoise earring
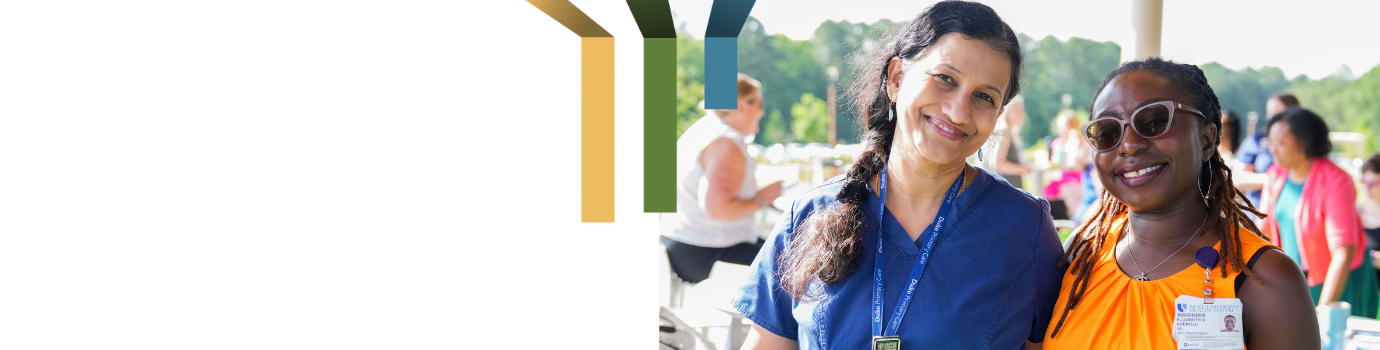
891	112
979	154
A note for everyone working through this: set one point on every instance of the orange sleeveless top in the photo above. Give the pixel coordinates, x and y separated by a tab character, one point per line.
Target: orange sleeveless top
1118	312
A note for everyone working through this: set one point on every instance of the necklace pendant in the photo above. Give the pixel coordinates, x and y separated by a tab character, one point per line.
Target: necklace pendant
1141	277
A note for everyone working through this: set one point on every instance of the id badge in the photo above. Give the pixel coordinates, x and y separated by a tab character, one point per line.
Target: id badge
1208	324
886	343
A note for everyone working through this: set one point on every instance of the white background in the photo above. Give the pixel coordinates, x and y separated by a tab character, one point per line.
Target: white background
312	174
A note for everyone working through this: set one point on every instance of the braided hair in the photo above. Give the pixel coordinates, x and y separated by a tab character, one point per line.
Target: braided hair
1227	207
829	242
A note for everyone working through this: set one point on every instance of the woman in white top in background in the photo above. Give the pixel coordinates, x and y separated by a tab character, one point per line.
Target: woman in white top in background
1009	161
717	193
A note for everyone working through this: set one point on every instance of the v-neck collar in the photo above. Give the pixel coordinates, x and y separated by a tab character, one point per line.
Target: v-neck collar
899	237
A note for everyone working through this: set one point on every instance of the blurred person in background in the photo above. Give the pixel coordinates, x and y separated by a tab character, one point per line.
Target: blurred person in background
913	248
1009	161
1254	152
1370	208
1278	102
1231	139
717	194
1090	187
1245	181
1311	202
1064	153
1169	203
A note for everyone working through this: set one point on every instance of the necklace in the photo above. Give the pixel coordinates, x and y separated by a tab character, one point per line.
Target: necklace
1132	251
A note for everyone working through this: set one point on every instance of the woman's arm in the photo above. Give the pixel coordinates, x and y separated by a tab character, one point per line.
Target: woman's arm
1278	314
762	339
1337	273
1248	181
723	168
1342	229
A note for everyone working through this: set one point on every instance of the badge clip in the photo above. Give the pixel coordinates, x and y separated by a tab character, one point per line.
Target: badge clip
886	342
1207	258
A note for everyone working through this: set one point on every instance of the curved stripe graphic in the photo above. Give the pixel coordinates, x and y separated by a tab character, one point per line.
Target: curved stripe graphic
658	104
571	17
596	108
726	20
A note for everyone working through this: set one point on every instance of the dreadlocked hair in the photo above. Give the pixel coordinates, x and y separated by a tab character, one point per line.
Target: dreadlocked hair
1227	206
828	244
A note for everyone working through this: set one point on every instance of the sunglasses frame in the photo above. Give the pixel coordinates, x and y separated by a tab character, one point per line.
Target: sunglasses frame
1174	108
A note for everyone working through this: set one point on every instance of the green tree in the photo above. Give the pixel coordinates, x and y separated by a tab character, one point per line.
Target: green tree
1244	91
774	130
786	68
842	45
1054	68
689	80
811	119
790	70
1324	97
1361	106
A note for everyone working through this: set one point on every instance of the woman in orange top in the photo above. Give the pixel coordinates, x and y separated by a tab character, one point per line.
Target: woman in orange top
1168	210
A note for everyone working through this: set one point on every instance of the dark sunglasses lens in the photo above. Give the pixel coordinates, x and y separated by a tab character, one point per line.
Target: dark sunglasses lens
1104	134
1152	121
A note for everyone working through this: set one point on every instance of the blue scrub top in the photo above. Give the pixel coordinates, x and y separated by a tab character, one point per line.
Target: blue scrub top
991	282
1253	151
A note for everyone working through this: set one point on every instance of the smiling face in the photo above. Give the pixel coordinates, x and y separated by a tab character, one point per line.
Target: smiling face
1149	174
947	100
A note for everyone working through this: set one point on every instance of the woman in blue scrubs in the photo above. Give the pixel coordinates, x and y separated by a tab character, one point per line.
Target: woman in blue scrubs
913	248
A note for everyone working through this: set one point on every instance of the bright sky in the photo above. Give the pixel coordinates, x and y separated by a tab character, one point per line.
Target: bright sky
1313	37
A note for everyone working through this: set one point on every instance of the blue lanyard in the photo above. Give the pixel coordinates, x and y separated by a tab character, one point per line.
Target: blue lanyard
917	270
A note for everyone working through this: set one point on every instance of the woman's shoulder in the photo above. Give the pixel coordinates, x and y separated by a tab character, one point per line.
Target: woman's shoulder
705	130
1335	178
990	189
820	196
1250	237
1251	242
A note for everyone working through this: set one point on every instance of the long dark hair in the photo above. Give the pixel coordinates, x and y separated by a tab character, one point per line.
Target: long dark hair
830	241
1232	122
1227	206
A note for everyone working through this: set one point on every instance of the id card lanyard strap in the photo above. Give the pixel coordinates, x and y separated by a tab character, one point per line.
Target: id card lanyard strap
915	271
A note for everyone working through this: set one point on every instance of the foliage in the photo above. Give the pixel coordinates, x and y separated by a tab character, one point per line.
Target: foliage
790	69
1054	68
811	119
841	45
1346	103
774	130
1323	97
786	68
1245	91
1361	107
689	80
